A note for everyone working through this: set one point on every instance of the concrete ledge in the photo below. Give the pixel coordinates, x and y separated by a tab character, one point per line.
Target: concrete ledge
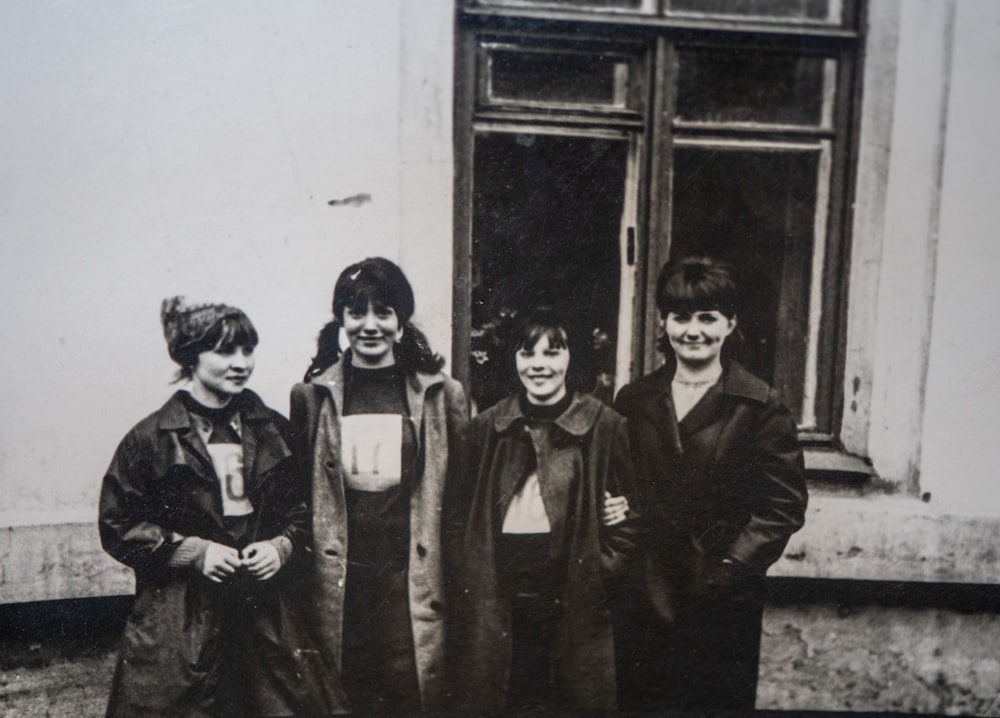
57	561
872	538
892	538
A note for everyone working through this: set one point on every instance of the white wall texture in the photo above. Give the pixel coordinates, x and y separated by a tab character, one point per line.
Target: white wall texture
151	149
148	149
961	446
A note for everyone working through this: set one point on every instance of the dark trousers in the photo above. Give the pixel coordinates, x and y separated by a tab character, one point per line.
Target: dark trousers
379	663
533	587
707	661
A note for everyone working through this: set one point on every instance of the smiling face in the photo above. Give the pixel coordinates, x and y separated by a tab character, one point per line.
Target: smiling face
372	329
220	374
542	370
697	337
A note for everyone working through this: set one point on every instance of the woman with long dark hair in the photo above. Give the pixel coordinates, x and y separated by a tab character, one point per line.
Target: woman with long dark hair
380	432
720	484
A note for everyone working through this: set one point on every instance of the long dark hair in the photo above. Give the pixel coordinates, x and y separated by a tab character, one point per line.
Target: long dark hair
375	281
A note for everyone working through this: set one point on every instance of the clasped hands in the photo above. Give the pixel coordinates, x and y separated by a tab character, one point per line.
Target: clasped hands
260	560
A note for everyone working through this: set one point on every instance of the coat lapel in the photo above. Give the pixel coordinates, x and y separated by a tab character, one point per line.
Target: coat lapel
657	404
186	447
508	419
263	445
703	413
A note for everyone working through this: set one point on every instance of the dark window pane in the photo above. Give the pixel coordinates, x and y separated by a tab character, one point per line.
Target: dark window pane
551	78
755	208
547	216
636	5
739	86
814	10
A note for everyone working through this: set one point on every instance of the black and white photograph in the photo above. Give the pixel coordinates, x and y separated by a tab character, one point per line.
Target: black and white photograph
499	357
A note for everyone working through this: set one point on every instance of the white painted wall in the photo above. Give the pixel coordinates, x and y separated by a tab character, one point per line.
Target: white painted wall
150	149
961	446
921	376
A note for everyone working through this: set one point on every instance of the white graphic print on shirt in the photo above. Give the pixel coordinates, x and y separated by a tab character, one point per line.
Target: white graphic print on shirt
371	446
526	513
228	462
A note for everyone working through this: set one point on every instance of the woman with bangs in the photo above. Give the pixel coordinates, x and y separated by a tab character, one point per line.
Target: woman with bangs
541	555
379	429
720	484
203	501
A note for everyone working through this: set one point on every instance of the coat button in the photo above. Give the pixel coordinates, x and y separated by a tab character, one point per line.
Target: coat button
330	552
436	606
421	551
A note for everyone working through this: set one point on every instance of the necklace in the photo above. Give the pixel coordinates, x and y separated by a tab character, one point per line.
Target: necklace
695	383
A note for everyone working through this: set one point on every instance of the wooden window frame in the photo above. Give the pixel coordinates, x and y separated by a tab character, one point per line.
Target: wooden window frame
662	36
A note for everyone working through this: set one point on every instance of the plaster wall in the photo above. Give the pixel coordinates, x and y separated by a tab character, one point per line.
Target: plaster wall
961	453
152	149
921	364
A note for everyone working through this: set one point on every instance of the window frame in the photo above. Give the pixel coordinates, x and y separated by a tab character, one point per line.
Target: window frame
663	36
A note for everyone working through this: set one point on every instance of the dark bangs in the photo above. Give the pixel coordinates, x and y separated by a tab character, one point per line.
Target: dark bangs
363	295
696	284
231	333
374	281
534	330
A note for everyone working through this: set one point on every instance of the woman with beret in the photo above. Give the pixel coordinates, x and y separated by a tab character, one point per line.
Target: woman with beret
203	501
380	430
720	485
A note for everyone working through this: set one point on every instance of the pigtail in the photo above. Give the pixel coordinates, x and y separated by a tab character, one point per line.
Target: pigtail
414	353
327	350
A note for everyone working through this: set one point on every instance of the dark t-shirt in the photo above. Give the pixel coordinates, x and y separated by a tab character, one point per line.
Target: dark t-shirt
380	457
379	449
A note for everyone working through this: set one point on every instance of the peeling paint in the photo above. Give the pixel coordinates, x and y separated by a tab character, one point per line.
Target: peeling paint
355	200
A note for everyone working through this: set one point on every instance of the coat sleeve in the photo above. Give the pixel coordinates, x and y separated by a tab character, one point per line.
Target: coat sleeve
618	542
124	516
301	416
291	492
459	480
779	494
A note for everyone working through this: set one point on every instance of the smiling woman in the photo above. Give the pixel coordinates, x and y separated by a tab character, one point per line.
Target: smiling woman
203	501
720	483
542	361
540	555
378	428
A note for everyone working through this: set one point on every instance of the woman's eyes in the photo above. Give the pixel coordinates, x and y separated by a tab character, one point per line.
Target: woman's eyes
525	354
706	318
381	313
228	353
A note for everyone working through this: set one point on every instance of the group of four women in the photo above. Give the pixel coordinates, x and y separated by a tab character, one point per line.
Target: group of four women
381	552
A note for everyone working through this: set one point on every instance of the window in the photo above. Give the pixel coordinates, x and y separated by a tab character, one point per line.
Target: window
595	140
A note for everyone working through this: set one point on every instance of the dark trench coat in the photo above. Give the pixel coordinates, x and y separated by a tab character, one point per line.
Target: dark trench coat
161	486
724	484
585	455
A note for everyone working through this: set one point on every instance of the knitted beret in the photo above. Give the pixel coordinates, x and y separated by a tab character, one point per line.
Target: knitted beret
185	325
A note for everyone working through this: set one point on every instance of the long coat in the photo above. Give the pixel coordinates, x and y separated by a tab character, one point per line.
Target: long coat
161	486
440	414
725	484
583	455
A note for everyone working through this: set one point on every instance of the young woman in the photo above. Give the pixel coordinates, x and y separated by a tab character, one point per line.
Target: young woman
202	500
720	485
380	430
536	626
